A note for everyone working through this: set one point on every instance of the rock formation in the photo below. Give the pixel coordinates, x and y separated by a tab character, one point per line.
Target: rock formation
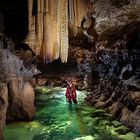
119	77
3	107
116	60
21	100
110	62
48	28
16	92
112	18
105	53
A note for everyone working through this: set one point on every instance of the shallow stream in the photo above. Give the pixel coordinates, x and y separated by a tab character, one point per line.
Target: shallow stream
57	120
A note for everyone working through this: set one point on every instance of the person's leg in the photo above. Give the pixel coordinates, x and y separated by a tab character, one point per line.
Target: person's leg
70	101
74	101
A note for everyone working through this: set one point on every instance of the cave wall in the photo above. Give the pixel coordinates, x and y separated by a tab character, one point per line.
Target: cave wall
16	86
3	107
15	17
116	60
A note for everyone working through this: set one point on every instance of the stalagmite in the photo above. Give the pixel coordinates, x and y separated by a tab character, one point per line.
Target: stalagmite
50	29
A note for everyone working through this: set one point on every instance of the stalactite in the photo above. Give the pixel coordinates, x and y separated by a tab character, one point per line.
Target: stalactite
58	30
30	6
50	31
55	31
31	35
53	13
45	48
77	10
64	31
39	25
51	38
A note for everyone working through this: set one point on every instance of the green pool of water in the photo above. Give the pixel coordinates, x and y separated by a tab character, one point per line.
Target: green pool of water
57	120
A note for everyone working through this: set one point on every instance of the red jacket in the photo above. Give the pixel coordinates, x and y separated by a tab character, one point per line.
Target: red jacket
70	92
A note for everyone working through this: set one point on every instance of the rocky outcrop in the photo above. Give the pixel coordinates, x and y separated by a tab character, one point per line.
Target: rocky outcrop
16	92
3	106
60	79
111	19
117	90
114	27
21	100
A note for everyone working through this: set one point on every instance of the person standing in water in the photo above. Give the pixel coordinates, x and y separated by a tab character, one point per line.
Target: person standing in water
71	93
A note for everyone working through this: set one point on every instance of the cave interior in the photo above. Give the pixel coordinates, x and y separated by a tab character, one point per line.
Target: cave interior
100	55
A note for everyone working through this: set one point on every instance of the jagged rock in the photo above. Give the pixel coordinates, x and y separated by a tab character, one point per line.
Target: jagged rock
17	92
3	107
118	88
17	76
109	21
135	96
21	100
133	81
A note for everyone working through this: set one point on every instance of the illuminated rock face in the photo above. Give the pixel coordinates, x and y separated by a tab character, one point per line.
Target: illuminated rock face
48	29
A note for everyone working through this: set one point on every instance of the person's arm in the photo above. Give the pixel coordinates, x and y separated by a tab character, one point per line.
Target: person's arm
74	92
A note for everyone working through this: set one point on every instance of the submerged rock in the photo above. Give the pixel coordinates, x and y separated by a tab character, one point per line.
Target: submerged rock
85	138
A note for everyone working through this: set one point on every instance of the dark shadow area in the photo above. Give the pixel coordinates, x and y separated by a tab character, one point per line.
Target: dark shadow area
15	15
58	67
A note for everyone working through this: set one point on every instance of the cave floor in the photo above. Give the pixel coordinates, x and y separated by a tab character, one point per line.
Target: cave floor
57	120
